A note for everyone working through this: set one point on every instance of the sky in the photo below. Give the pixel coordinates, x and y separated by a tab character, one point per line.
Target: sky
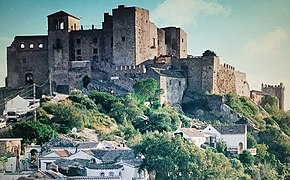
253	36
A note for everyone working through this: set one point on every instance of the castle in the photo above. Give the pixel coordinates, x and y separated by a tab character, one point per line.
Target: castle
127	48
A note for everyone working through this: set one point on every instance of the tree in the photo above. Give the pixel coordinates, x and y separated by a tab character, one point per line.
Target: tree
33	132
148	90
208	53
3	160
246	158
175	158
105	100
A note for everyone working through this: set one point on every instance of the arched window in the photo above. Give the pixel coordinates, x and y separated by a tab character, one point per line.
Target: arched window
102	174
22	45
40	45
111	173
31	45
61	24
241	147
28	79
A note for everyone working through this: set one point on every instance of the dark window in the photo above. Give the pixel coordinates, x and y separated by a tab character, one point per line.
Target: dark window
79	52
111	173
153	42
182	40
24	60
78	41
102	174
28	79
95	40
179	83
95	51
111	42
58	44
170	82
123	38
22	45
158	42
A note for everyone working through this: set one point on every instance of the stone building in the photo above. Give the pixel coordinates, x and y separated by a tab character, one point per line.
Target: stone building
69	53
127	48
269	90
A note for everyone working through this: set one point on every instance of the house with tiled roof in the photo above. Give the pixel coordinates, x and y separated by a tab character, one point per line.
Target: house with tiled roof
191	134
234	136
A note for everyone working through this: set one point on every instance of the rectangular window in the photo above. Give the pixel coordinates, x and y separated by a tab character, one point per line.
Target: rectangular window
95	51
179	83
123	38
24	60
95	40
170	82
79	52
78	41
153	42
182	40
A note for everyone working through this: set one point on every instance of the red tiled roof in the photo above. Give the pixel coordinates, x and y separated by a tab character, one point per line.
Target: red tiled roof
62	153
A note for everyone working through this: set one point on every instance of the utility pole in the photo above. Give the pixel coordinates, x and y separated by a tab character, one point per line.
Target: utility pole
50	88
34	94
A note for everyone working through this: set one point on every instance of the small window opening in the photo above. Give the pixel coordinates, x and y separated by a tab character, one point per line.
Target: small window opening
22	45
31	46
153	42
79	52
24	60
40	45
61	24
182	40
123	38
111	173
78	41
170	81
95	40
102	174
95	51
179	83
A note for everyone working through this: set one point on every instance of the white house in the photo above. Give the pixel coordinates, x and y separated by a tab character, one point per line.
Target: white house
234	136
191	134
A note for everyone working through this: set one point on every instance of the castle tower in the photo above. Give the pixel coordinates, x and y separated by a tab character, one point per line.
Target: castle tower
277	90
59	26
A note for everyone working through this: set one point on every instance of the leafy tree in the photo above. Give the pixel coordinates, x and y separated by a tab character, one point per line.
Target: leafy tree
208	53
251	141
246	158
87	102
105	100
173	158
3	160
148	90
33	132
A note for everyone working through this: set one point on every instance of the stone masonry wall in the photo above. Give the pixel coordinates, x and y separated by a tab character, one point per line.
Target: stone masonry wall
32	58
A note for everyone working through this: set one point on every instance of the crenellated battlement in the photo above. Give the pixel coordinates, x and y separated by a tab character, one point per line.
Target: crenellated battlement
275	90
133	68
230	67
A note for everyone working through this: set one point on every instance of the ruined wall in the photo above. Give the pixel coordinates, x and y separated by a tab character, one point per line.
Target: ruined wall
175	87
275	90
209	74
226	80
124	40
27	54
242	86
106	41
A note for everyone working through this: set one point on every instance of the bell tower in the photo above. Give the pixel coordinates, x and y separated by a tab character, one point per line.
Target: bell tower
60	24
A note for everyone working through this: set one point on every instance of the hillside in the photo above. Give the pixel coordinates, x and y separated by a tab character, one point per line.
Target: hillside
147	128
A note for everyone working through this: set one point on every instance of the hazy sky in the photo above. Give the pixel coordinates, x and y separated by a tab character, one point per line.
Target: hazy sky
252	35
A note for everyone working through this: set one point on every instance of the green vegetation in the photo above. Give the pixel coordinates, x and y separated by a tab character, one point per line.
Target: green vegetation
147	127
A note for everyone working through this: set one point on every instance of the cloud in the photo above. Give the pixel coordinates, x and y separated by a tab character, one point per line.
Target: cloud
184	12
267	44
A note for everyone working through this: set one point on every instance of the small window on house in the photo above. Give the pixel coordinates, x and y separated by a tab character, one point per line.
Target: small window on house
123	38
158	42
170	81
40	45
182	40
95	51
102	174
153	42
111	173
61	24
95	40
22	45
24	60
31	46
179	83
78	41
79	52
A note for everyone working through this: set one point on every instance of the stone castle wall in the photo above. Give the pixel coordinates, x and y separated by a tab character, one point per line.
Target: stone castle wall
275	90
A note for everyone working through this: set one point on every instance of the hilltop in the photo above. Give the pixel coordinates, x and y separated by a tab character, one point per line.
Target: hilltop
147	127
